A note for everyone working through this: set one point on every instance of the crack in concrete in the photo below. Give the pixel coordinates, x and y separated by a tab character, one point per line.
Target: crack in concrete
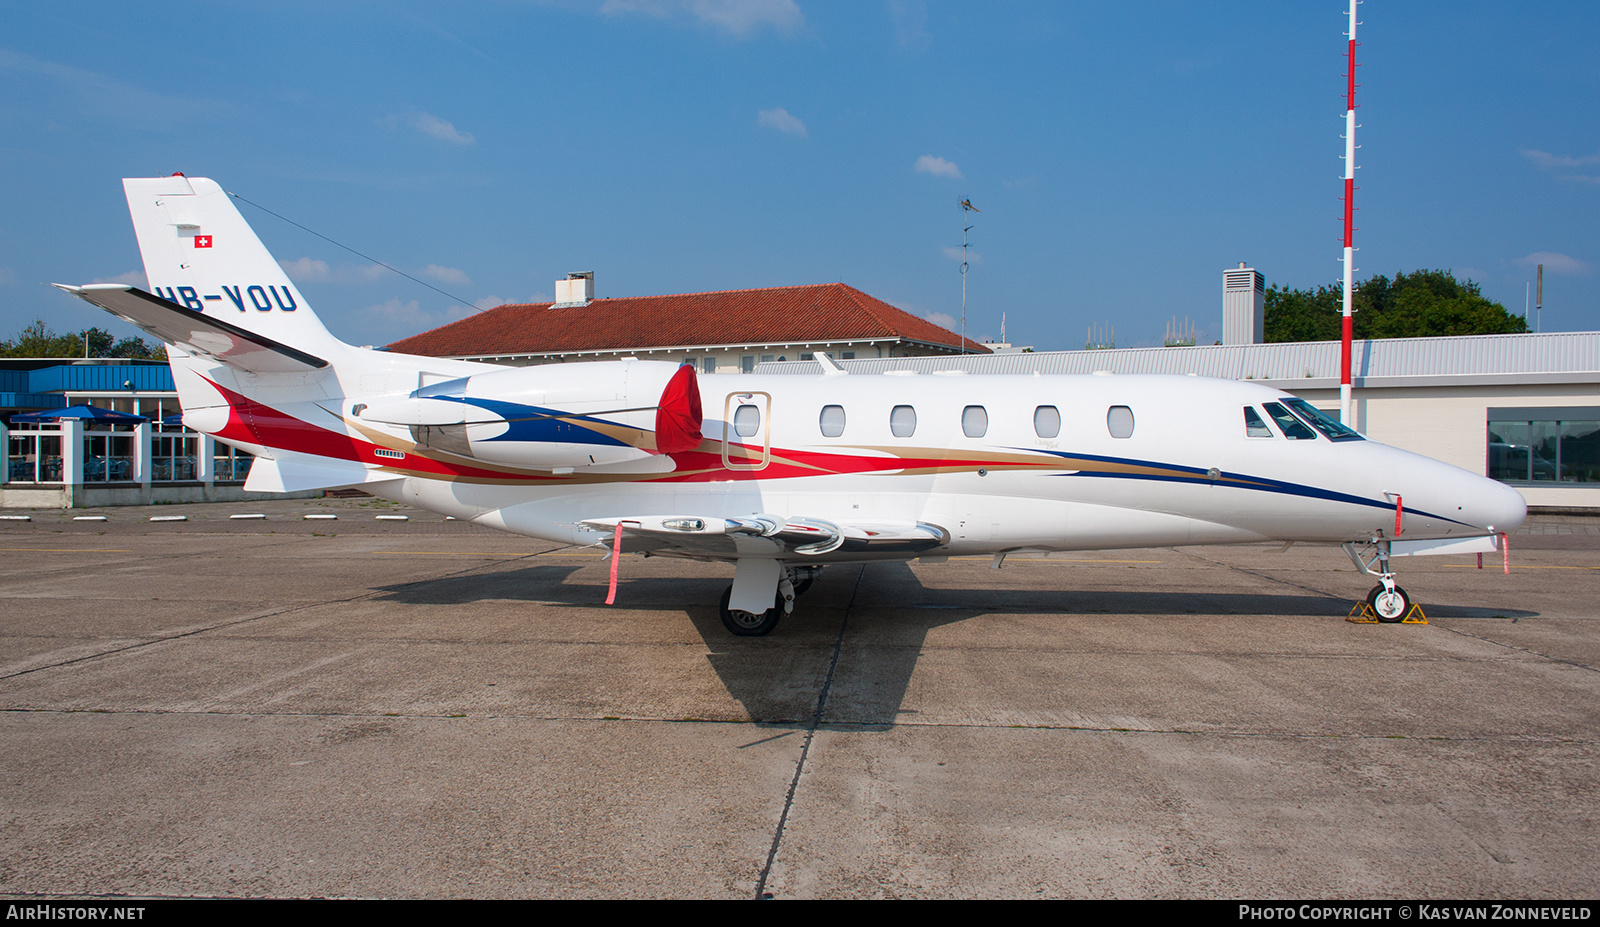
805	746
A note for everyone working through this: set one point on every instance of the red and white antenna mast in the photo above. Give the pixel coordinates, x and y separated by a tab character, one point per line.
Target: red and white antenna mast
1346	324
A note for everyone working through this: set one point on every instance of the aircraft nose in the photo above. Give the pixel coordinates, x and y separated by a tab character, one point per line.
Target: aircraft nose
1496	506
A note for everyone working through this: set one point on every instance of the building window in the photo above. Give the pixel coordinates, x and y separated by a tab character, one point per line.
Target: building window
1046	421
747	363
1554	445
903	421
33	458
768	358
710	365
848	355
974	421
807	355
107	458
832	421
229	463
173	456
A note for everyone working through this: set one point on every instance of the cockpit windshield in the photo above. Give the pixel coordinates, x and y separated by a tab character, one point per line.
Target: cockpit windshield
1323	422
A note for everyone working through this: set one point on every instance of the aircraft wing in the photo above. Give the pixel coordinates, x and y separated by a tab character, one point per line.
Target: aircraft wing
196	332
719	538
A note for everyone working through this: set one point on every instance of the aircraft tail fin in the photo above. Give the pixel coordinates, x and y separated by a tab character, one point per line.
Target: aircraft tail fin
200	254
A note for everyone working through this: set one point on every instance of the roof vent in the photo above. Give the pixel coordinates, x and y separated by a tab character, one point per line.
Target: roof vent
576	291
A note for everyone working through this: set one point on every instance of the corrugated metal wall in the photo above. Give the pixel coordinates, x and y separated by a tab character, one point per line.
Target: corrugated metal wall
1556	352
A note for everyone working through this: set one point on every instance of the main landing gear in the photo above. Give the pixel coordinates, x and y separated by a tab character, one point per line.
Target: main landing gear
1387	600
792	582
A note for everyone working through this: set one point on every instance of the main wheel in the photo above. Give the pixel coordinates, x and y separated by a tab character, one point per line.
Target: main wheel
748	624
1390	607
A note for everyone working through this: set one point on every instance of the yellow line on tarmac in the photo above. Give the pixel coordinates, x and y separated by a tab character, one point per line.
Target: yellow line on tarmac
1523	566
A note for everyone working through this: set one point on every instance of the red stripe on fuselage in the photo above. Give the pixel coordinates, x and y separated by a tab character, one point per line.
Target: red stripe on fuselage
251	422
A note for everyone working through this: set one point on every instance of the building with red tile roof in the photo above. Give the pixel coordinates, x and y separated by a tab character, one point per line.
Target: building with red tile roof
722	330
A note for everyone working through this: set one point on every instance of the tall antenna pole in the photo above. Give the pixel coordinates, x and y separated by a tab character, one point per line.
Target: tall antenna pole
1538	306
1346	324
966	207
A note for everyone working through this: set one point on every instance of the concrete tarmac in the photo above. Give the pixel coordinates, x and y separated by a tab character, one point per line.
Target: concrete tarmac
355	707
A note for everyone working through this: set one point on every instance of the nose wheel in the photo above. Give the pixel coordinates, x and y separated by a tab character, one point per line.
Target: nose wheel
1389	602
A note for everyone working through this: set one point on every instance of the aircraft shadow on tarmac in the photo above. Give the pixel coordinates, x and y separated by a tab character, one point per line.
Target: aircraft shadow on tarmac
887	614
526	584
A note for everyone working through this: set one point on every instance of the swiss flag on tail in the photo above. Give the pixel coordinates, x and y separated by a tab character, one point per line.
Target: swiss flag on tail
202	241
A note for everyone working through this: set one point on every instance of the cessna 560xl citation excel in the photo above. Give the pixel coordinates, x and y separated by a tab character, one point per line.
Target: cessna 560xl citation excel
777	475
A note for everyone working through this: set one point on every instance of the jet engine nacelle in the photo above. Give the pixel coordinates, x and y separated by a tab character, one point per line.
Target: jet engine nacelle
555	417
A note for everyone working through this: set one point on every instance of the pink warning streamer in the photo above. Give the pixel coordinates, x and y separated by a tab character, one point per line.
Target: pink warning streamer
616	554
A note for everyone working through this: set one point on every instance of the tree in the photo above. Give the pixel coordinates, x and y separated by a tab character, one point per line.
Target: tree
37	340
1423	303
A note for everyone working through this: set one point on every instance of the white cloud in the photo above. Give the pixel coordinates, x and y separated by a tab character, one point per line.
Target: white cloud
430	125
131	278
307	270
1546	161
311	270
410	318
938	167
942	320
735	17
779	118
910	18
446	274
1555	263
109	97
954	253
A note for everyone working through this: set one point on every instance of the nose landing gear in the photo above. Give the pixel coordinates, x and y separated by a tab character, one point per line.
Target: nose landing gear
1389	603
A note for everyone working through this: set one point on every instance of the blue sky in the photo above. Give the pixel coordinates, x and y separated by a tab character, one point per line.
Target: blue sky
1122	154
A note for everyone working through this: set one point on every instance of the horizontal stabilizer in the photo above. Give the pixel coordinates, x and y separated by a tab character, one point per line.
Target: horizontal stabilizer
302	472
195	332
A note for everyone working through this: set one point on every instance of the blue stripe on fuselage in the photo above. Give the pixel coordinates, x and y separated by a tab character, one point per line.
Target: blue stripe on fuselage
1237	481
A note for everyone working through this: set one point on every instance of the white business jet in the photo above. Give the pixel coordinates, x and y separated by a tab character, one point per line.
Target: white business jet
778	475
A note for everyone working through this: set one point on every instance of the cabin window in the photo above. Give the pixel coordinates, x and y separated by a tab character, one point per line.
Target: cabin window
974	421
1046	421
1254	426
832	421
1288	424
903	421
1119	421
746	421
1323	422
